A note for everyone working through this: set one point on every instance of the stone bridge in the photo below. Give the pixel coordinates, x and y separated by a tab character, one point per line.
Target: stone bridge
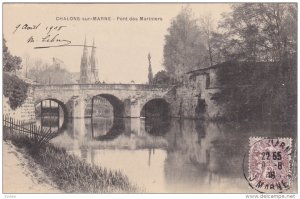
127	100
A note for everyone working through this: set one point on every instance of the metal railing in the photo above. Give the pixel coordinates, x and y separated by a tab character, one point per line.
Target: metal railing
38	134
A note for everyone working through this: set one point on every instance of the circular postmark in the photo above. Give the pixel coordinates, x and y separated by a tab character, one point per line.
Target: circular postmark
269	164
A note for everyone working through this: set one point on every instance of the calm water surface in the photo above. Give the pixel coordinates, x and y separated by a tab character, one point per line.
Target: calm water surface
169	156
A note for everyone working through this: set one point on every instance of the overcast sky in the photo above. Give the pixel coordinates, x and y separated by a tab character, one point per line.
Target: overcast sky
122	46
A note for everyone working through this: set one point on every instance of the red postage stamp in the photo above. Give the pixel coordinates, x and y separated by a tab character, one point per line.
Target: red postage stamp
270	164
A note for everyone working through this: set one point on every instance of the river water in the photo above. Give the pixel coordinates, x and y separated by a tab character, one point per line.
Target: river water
168	156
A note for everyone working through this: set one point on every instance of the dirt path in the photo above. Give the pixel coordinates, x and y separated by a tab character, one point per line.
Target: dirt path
21	175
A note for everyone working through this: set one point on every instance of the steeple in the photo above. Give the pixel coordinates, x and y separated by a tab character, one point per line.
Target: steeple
88	65
150	74
94	64
84	65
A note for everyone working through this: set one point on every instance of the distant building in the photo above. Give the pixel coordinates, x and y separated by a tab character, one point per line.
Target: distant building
75	76
89	66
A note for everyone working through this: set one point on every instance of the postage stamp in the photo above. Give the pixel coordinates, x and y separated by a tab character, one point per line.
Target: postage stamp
270	164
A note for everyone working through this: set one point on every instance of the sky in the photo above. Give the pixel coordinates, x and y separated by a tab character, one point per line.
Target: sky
122	46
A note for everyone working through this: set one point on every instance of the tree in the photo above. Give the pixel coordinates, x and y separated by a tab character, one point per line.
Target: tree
13	87
261	31
262	36
27	64
10	62
184	49
219	48
206	24
43	73
161	78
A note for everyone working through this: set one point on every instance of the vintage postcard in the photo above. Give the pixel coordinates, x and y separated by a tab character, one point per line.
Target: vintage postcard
149	98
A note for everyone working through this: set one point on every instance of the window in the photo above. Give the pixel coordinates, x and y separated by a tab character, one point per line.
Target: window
207	84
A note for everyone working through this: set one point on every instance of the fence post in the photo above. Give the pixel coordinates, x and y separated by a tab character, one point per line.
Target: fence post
19	127
10	126
16	126
13	124
34	130
24	130
30	130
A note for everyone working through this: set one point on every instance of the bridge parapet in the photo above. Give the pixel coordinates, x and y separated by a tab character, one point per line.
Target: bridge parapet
133	87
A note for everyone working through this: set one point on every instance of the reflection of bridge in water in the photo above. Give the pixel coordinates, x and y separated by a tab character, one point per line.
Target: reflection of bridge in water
172	135
186	152
189	155
105	129
49	114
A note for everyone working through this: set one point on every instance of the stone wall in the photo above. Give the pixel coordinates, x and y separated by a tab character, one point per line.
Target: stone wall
192	99
24	113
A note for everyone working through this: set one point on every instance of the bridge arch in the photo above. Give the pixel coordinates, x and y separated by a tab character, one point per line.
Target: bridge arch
157	107
157	115
61	104
117	104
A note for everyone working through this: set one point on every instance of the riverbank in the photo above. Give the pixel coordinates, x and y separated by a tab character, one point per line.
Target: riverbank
66	171
22	175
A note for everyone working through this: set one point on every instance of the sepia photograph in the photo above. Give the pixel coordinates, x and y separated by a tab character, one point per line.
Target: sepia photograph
149	98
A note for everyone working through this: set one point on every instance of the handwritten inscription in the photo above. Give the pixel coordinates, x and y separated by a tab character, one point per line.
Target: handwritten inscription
26	27
44	36
50	28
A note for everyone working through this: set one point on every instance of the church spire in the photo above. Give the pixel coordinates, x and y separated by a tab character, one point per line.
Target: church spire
150	74
93	48
85	50
84	65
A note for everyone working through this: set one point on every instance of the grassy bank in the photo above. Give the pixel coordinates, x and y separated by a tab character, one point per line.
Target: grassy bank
71	174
